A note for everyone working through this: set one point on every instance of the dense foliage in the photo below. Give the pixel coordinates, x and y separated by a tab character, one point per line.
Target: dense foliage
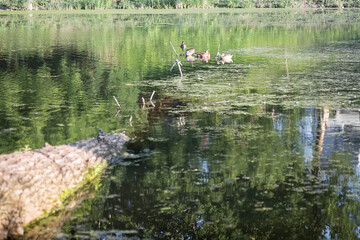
178	4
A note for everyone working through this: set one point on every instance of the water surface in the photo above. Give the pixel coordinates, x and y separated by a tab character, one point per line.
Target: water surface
266	147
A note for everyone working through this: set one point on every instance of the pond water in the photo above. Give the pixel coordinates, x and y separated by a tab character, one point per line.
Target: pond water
265	147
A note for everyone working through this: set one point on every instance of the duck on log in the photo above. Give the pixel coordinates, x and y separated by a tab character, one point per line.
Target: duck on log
31	182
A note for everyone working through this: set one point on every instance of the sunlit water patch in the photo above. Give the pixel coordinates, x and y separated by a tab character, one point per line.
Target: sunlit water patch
290	77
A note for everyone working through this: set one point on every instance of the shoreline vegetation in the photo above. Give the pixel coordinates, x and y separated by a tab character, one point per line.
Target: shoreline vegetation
171	4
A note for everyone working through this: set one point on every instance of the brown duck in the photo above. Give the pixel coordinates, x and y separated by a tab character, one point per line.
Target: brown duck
190	58
190	52
204	56
227	58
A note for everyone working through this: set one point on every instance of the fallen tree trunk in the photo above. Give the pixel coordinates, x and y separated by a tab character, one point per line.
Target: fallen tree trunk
31	182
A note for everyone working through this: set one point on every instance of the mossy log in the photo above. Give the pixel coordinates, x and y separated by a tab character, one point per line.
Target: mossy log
32	182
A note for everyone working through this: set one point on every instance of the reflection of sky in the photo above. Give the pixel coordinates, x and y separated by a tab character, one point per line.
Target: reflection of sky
326	232
308	131
204	167
333	142
358	165
279	123
343	136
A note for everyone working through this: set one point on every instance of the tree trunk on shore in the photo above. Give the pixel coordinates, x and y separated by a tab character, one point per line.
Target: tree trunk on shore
31	182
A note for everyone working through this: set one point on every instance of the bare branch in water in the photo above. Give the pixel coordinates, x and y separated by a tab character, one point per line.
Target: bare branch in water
173	65
117	112
152	95
179	63
218	53
175	51
116	101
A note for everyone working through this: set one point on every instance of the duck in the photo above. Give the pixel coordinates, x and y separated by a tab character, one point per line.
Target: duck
190	58
183	46
226	58
204	55
189	52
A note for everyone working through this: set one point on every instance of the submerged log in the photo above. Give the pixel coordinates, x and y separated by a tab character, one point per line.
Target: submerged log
31	182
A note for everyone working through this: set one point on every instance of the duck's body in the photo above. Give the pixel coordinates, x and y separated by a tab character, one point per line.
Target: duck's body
226	58
183	46
190	58
190	52
223	58
203	56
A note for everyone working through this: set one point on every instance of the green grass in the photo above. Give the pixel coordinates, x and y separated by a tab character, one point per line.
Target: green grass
145	11
171	4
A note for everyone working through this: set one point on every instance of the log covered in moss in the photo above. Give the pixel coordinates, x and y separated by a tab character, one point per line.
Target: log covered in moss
35	182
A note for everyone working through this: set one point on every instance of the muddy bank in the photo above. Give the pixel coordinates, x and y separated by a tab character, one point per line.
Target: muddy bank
34	182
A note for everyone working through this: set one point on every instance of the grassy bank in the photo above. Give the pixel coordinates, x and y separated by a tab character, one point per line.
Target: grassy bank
169	4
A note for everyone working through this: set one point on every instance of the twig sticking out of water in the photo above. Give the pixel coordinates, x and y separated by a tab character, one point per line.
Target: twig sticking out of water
286	66
173	65
175	51
143	101
116	101
117	112
179	64
177	61
218	53
152	95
